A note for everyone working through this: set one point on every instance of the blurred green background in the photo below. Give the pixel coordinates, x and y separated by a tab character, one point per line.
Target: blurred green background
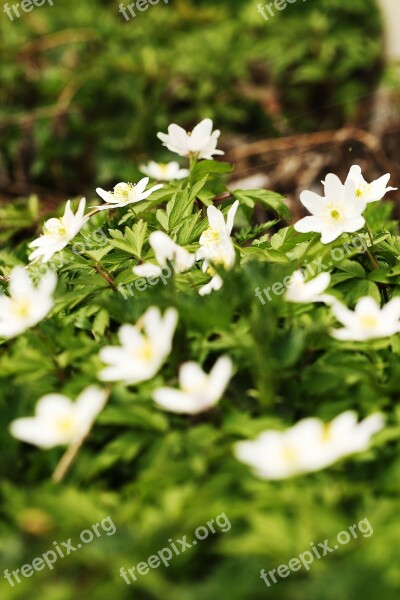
83	92
82	96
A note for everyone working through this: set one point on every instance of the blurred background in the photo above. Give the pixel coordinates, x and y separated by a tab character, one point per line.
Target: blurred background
83	91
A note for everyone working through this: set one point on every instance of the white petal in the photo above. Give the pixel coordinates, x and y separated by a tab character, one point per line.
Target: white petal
308	224
106	196
355	174
90	403
176	401
36	431
147	270
313	202
334	188
219	377
192	377
231	216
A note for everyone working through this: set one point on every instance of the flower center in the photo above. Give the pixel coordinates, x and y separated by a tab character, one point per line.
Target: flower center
369	321
55	227
363	190
335	214
289	454
326	433
210	237
145	352
123	192
66	425
21	308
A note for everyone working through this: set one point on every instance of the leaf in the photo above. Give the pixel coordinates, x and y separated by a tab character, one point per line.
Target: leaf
268	199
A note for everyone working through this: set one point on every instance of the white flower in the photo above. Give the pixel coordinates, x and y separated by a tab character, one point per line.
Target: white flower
216	245
165	249
213	285
300	291
201	142
27	305
308	446
57	233
58	420
339	211
368	321
198	391
369	192
126	193
144	348
164	171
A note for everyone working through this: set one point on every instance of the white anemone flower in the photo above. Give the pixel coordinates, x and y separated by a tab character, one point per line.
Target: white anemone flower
126	193
368	321
27	305
308	446
216	244
165	249
198	391
302	292
201	142
369	192
164	171
338	211
143	350
59	421
57	233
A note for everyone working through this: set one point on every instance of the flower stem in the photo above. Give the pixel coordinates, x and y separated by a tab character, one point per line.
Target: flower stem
374	263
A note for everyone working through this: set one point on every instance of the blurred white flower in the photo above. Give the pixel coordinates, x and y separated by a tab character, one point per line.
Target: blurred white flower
253	182
144	348
198	391
165	249
126	193
147	270
27	305
201	142
302	292
337	212
308	446
369	192
216	245
57	233
164	171
213	285
368	321
58	420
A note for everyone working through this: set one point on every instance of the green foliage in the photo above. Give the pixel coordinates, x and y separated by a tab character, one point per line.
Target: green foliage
160	475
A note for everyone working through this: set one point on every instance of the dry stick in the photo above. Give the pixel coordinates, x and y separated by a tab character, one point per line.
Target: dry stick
45	112
69	455
305	141
67	460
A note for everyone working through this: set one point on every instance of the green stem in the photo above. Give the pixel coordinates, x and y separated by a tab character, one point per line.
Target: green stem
374	263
